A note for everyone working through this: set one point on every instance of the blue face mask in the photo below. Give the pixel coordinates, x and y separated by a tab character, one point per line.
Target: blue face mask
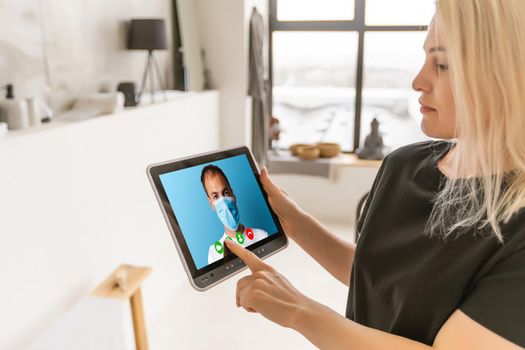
227	212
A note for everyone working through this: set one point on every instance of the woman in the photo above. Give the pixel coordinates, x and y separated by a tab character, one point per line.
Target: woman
440	260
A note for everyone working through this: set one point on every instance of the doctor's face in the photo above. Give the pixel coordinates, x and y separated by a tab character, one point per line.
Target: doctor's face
217	187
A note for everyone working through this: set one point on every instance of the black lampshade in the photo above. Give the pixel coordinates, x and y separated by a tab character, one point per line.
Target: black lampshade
147	34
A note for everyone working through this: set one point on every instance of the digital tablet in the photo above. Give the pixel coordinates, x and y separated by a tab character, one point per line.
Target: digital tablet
208	198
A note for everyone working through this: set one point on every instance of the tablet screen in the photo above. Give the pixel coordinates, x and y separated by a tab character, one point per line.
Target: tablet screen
217	201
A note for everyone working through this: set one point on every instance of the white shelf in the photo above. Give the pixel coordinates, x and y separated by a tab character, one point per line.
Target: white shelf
173	99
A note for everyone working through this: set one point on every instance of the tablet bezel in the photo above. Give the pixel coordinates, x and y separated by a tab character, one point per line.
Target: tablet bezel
210	275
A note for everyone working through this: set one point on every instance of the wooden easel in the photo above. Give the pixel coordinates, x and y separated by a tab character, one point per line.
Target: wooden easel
124	283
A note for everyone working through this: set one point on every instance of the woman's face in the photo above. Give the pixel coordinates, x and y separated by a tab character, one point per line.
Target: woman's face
433	82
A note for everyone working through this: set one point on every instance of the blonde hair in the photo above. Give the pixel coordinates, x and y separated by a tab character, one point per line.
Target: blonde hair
485	45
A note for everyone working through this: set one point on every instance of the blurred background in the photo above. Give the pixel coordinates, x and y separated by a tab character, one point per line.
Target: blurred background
91	93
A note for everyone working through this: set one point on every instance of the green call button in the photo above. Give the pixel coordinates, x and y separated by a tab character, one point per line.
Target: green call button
240	237
218	247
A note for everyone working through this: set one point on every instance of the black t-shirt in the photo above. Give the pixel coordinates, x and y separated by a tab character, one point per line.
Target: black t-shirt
407	283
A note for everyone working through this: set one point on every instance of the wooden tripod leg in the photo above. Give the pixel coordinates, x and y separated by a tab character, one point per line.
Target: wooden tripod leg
137	314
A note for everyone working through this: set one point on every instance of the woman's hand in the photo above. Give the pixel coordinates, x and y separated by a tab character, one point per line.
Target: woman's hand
288	212
266	291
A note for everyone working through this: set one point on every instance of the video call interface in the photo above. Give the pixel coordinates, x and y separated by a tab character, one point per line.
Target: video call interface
217	201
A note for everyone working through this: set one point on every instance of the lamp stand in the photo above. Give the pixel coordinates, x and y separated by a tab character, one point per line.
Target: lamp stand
151	66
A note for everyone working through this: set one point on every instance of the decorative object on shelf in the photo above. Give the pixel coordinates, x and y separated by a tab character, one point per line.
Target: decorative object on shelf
326	149
309	152
94	105
21	114
329	150
131	96
294	149
275	133
33	112
108	103
46	113
150	35
38	111
13	111
373	147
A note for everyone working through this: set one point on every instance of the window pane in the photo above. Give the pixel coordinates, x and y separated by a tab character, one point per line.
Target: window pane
314	86
392	60
315	10
399	12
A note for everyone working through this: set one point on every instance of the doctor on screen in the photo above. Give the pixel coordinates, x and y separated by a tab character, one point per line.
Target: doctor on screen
222	200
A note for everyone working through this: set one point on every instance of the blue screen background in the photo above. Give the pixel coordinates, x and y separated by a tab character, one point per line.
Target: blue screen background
199	224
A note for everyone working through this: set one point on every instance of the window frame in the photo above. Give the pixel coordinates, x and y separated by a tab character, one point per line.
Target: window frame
358	24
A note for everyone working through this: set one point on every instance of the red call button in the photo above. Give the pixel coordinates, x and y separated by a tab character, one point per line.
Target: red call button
249	233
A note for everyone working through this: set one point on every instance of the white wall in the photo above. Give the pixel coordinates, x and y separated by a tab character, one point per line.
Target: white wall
75	203
330	202
224	36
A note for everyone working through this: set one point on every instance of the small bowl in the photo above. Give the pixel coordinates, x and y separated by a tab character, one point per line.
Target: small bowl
295	147
329	150
308	152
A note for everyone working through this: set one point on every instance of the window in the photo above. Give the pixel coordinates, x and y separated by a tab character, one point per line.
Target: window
391	61
314	86
399	12
337	64
310	10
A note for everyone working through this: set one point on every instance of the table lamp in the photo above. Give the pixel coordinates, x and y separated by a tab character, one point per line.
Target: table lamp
150	35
